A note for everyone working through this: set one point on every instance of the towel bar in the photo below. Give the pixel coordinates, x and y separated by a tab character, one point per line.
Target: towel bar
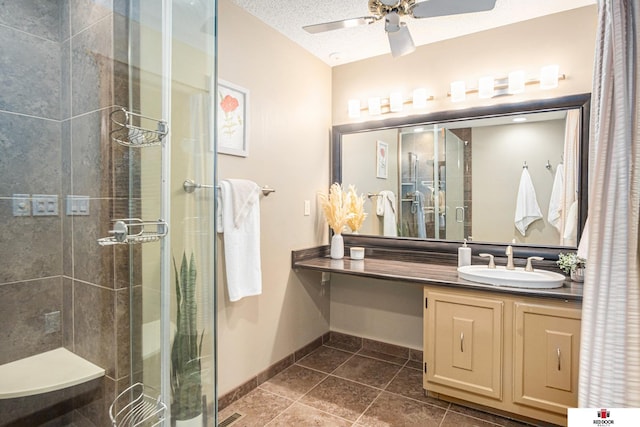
190	186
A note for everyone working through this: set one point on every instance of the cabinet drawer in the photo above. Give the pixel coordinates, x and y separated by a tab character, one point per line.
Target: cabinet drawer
546	356
464	343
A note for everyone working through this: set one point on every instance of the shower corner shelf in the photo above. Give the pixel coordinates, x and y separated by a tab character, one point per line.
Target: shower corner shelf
140	134
137	408
132	230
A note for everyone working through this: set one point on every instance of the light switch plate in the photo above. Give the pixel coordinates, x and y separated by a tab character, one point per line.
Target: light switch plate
77	205
44	205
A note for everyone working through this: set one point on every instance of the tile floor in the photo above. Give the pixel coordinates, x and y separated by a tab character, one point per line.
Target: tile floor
334	387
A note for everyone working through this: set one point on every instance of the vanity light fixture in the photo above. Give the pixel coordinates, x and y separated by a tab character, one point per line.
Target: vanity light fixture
549	77
420	98
393	104
375	108
458	91
488	87
354	108
485	87
516	82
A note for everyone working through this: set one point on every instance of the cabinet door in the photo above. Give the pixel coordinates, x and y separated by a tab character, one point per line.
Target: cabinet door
547	342
463	343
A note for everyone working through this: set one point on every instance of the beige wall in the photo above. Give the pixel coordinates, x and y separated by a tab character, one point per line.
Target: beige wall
366	307
495	182
290	124
362	172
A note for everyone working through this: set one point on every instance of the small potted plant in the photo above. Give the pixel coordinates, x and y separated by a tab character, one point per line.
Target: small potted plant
573	265
186	351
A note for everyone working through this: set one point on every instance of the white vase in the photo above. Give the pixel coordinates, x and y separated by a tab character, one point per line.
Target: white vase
337	246
193	422
577	274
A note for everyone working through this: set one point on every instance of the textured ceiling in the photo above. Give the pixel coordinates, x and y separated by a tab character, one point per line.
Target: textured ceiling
353	44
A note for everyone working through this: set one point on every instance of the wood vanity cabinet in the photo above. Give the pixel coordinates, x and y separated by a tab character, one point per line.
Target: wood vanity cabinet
510	353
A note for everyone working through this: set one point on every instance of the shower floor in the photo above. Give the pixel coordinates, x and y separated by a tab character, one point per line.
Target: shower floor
334	387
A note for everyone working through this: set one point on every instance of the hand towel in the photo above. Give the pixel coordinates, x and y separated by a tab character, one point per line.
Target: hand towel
527	209
417	208
386	208
239	217
554	215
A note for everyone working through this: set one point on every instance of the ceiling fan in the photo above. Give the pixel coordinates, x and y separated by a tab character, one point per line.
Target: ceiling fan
400	39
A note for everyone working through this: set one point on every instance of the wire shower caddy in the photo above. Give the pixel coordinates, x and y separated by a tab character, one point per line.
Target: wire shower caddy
135	130
132	230
138	409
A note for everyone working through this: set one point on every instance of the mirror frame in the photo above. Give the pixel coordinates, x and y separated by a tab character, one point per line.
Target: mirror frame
579	101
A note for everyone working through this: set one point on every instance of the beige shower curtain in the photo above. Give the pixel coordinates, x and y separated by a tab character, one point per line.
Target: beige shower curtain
610	350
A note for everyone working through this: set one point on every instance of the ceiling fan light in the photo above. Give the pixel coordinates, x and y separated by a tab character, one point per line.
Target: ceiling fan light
458	91
392	22
516	82
420	98
549	77
401	42
374	106
354	108
485	87
395	102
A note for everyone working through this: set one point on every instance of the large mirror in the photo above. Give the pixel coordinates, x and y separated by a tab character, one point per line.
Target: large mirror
513	173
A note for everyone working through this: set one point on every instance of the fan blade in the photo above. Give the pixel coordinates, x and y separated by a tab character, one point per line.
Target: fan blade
433	8
336	25
401	42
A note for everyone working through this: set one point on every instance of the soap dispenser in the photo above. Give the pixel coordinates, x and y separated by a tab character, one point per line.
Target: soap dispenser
464	255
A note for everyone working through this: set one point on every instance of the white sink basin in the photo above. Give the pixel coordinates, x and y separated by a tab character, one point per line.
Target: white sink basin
518	278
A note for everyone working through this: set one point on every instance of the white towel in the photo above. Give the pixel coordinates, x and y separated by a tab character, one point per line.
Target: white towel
386	208
527	209
554	216
239	221
417	209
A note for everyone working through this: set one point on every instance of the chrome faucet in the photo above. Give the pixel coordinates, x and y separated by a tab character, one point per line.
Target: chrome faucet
509	253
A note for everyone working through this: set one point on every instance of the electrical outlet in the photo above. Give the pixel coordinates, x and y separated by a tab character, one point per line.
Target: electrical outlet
21	205
52	322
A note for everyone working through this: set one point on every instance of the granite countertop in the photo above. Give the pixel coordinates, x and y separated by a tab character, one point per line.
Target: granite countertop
421	273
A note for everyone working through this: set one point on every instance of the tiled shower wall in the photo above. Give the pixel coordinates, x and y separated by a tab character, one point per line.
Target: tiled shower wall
62	69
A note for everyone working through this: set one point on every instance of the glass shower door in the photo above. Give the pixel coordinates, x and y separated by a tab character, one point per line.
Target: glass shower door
172	306
454	179
432	186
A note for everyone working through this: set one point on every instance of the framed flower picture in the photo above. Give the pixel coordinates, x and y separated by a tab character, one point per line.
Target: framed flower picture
382	150
232	105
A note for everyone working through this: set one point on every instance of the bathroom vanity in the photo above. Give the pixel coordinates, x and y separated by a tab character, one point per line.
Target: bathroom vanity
503	349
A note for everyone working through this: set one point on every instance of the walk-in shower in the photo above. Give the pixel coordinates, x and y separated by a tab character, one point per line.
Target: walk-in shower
105	111
432	163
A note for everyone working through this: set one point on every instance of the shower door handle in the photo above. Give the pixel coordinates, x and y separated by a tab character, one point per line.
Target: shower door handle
459	213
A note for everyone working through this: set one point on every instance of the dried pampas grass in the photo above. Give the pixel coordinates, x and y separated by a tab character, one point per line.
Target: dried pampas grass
336	208
356	208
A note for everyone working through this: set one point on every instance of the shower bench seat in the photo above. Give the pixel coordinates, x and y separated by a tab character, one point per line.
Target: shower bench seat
50	371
